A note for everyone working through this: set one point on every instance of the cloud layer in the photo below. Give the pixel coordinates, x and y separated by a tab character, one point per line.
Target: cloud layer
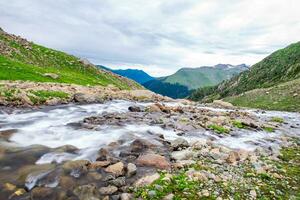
158	36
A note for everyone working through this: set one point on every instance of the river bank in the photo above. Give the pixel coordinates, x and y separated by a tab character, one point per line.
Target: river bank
125	150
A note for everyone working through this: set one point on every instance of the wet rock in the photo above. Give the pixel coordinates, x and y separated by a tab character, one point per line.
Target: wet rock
94	176
153	108
31	174
118	182
44	193
179	144
76	167
103	154
146	180
117	169
135	108
108	190
66	148
86	192
6	134
140	145
153	160
126	196
131	169
67	182
99	164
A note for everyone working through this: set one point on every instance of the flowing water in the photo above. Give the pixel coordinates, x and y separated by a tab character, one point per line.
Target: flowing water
54	127
51	127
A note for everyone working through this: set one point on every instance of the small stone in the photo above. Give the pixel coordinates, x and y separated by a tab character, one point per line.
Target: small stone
131	169
153	160
86	192
108	190
119	182
253	194
146	180
126	196
179	143
169	197
205	193
117	169
99	164
151	193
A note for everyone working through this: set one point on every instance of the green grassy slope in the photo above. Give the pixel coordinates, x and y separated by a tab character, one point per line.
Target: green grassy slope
195	78
23	60
281	66
284	97
273	83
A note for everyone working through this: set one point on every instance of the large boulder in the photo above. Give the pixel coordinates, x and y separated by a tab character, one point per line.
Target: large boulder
153	160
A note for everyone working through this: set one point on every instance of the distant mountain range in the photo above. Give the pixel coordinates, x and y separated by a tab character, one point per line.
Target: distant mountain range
135	74
181	83
185	80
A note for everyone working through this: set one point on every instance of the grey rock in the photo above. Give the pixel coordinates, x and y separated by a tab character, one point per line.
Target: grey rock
131	169
119	182
179	143
108	190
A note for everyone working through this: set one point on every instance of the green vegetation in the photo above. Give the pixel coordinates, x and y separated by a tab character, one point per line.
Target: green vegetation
282	97
277	119
9	94
200	77
219	129
167	89
238	124
281	181
41	96
268	129
179	185
273	83
28	61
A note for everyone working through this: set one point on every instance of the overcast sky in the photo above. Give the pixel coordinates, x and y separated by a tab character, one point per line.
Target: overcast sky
158	36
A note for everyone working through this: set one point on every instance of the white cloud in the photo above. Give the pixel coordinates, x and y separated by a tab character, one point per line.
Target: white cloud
158	36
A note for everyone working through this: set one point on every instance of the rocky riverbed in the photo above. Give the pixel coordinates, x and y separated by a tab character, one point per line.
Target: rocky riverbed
128	150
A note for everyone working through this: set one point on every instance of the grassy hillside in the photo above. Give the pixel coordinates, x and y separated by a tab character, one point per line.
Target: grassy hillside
23	60
271	84
285	97
281	66
195	78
